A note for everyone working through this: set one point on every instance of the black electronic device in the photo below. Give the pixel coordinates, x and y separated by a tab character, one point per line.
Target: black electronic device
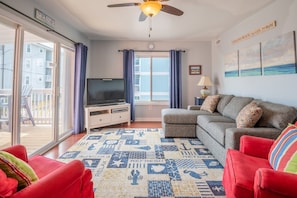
107	91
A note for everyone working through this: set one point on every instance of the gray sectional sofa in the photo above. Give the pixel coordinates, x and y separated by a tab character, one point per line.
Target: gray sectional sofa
218	130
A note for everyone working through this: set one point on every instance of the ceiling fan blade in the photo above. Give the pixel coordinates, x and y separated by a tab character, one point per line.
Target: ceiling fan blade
171	10
123	5
142	17
155	0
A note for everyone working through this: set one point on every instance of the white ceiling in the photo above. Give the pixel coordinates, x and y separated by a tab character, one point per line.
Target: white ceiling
202	19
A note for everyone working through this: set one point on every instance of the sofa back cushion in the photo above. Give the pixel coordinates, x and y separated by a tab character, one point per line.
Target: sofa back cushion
283	152
276	115
235	105
224	100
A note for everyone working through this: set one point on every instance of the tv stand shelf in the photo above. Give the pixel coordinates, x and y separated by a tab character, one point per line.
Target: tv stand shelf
100	116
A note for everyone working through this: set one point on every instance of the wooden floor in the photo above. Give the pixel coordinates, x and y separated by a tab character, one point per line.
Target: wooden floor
66	144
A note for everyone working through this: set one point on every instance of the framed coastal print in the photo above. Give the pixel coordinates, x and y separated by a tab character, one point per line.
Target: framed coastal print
250	61
195	70
279	55
231	64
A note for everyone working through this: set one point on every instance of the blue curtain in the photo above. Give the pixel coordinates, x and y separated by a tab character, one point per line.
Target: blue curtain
79	86
175	79
128	60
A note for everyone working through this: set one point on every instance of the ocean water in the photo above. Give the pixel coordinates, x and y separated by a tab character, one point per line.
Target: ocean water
231	73
251	72
280	69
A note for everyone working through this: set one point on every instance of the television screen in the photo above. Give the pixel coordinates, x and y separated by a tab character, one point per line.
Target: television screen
105	91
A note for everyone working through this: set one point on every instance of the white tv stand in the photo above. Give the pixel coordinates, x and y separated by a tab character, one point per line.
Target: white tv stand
100	116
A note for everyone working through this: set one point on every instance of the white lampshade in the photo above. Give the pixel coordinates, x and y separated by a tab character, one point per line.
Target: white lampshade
204	81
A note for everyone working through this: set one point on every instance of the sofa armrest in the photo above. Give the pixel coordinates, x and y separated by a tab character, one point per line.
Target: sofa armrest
271	183
56	183
255	146
194	107
232	136
18	151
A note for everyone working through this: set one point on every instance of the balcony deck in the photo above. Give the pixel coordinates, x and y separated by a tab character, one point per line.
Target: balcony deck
33	137
36	116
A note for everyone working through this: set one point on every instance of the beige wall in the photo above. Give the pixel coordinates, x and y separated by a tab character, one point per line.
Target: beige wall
105	61
277	88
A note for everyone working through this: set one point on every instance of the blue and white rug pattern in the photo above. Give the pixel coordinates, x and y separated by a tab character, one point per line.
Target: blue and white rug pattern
138	163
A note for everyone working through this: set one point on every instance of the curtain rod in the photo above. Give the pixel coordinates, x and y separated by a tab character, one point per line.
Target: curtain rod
152	50
36	21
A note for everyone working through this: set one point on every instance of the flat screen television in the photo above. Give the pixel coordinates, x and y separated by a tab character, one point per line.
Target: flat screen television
105	91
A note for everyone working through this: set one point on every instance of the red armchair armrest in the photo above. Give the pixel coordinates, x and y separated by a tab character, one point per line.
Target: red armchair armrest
255	146
271	183
56	183
19	151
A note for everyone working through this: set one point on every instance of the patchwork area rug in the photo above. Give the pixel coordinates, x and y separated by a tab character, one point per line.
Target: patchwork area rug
136	163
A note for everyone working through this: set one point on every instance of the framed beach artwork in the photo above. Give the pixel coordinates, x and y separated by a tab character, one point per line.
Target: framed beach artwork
279	55
231	64
250	61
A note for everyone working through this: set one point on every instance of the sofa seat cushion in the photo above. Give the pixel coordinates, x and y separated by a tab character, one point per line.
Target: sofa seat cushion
217	130
43	166
182	116
240	172
202	120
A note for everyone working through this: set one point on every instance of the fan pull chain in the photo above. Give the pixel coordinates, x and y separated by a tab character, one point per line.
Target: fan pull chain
150	26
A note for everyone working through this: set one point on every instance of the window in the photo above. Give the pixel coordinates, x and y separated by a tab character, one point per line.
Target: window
28	49
151	77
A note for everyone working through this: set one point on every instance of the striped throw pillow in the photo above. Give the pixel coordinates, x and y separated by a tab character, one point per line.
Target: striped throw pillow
17	169
283	153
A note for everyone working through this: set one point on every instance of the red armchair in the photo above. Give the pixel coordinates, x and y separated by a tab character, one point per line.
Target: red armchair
56	179
248	174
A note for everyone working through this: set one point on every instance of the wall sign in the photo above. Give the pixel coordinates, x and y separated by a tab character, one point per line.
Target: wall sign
43	18
255	32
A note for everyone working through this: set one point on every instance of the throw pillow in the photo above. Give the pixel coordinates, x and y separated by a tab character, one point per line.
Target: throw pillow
17	169
283	152
249	115
210	103
8	186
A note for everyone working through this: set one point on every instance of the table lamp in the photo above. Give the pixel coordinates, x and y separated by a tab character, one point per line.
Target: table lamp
204	81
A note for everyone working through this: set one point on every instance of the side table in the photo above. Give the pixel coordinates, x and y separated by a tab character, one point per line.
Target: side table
198	100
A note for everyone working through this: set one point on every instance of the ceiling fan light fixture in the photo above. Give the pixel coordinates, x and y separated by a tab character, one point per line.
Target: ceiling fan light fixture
151	8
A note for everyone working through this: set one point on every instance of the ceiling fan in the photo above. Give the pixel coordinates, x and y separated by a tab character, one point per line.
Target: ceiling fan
151	8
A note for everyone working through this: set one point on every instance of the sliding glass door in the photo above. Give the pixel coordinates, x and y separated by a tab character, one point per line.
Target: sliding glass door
7	43
36	87
66	81
37	99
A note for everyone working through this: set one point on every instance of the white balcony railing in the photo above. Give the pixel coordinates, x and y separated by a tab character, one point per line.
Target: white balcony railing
39	103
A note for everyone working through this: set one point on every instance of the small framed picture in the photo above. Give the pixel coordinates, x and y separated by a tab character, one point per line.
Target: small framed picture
195	70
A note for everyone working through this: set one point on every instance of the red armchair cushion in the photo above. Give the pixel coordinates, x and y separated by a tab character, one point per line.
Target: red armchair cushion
43	166
8	186
274	184
283	153
239	173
